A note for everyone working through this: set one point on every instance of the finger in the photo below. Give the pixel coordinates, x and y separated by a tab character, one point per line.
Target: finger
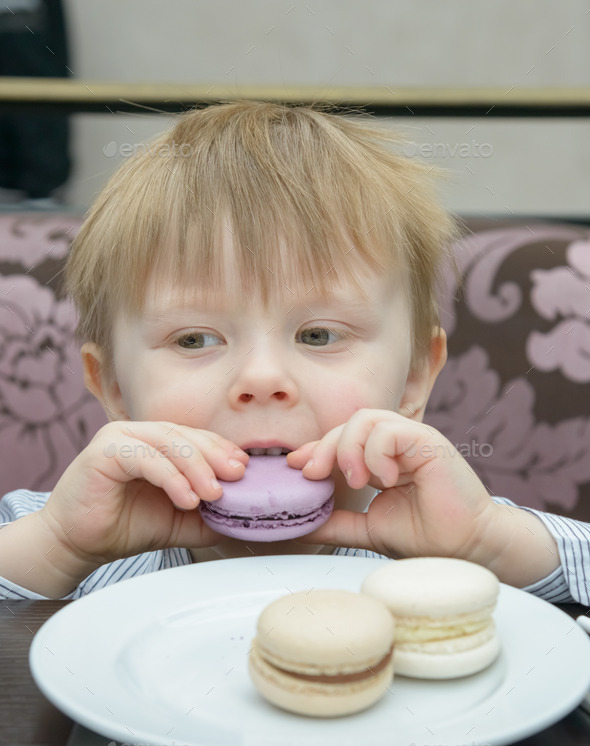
201	456
351	446
300	456
380	454
397	449
402	481
203	462
192	531
344	528
323	455
122	462
201	446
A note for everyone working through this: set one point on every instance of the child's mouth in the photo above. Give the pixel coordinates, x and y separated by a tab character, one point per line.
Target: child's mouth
274	451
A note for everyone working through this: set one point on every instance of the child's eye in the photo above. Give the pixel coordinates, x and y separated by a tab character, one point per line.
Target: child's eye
198	340
318	336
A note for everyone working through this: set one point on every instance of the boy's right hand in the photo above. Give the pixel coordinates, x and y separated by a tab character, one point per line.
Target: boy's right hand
134	489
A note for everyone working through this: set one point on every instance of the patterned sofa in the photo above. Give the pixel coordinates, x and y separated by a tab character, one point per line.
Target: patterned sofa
514	396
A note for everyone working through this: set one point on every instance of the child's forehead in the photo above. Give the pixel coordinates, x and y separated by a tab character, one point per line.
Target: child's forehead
287	276
165	296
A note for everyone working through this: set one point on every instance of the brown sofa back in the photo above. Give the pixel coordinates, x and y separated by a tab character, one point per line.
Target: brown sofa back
515	394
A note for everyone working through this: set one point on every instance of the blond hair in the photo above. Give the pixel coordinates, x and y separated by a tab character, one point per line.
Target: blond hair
324	187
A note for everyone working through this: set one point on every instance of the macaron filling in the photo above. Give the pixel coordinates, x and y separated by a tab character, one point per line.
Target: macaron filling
283	518
426	629
338	678
458	643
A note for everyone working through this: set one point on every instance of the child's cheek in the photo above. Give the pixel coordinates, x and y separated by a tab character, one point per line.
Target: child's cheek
347	397
338	404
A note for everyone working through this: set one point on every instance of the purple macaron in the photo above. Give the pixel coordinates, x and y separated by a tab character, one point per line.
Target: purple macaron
271	502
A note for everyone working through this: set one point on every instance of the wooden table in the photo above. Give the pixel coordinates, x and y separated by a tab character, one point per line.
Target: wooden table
27	718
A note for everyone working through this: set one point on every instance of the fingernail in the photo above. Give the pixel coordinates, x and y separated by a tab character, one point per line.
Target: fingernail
348	475
239	452
235	463
309	463
215	484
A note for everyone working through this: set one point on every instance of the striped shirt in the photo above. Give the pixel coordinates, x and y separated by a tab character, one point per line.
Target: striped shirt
568	583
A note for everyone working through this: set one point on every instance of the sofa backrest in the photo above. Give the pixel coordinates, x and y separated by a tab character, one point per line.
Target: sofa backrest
514	396
46	414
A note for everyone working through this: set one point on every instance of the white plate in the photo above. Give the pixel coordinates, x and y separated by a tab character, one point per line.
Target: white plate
162	660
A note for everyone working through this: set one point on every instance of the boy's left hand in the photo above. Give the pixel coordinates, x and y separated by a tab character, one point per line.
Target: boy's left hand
431	501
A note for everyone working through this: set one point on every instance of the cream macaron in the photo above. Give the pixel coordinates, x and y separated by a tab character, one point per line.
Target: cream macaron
443	614
323	653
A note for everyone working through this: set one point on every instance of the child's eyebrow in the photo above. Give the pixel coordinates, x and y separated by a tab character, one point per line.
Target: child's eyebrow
170	307
352	302
354	306
315	305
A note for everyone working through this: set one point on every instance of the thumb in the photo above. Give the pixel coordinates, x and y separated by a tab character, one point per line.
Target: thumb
344	528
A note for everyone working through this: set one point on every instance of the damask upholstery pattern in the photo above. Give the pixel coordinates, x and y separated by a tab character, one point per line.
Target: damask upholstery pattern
514	396
46	414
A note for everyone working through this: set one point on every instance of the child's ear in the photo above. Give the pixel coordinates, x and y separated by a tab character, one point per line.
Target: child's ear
421	379
100	381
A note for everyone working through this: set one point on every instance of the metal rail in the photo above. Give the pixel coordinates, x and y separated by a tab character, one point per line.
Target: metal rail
60	95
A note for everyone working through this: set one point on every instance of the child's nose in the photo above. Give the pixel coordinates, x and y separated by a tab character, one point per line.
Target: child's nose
263	379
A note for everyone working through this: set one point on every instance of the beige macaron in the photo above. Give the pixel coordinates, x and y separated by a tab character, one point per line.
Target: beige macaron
323	652
443	614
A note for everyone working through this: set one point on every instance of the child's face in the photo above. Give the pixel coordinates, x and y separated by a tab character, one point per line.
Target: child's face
261	377
281	376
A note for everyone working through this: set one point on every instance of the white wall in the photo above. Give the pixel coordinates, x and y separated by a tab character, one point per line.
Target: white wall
496	166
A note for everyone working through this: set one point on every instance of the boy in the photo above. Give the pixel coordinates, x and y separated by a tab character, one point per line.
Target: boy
263	277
